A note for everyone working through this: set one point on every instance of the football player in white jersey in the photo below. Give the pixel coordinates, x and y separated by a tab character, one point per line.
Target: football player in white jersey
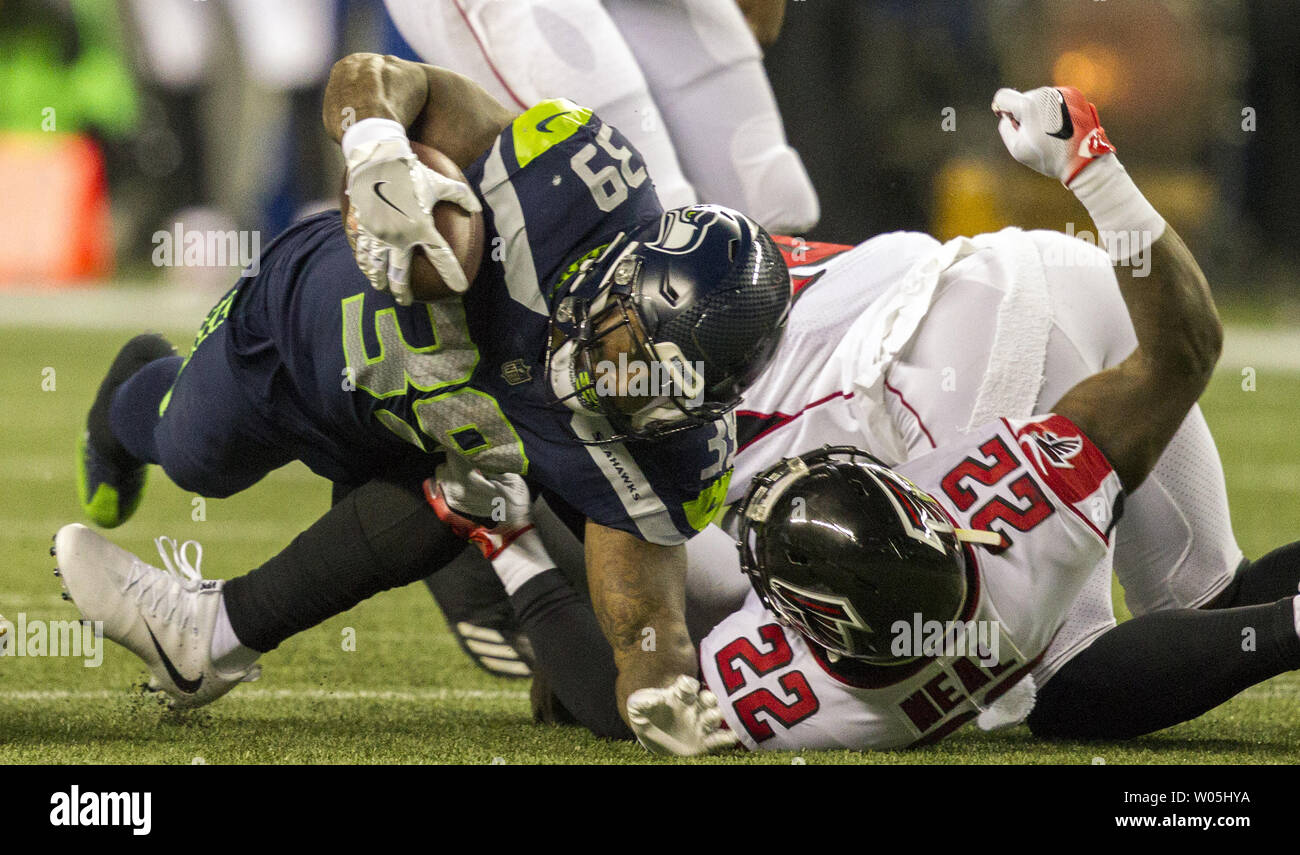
683	79
1041	484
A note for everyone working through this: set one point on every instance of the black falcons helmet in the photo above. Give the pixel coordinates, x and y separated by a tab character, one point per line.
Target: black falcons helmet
705	293
840	547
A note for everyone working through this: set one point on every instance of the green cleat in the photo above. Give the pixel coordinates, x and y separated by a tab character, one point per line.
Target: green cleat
110	482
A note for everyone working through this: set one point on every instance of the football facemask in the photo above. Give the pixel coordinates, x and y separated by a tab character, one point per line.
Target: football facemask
601	362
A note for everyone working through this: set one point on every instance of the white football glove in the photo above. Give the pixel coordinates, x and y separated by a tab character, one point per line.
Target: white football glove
392	196
501	497
490	512
680	719
1052	130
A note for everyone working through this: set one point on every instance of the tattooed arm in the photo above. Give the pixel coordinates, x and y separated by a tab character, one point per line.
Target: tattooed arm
638	586
638	590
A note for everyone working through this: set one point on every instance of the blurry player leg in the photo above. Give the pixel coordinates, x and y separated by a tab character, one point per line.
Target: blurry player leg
111	465
286	44
175	36
446	33
287	47
524	51
705	72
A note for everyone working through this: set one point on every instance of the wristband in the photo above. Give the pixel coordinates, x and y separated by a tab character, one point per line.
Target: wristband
373	130
1127	224
523	559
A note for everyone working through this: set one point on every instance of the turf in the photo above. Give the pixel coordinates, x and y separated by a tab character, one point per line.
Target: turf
405	694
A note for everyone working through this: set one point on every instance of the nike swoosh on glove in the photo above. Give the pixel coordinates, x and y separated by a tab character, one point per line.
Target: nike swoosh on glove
392	195
1052	130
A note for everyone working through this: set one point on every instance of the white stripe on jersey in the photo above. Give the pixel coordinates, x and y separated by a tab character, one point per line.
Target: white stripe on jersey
629	483
516	252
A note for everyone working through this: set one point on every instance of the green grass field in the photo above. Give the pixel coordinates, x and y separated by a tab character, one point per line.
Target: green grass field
407	694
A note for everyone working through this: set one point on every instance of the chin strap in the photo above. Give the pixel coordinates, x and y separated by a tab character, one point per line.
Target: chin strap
974	535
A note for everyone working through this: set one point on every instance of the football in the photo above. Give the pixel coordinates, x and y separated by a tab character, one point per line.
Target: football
462	230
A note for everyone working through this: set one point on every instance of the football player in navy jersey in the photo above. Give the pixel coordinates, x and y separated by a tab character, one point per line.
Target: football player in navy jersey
534	369
841	550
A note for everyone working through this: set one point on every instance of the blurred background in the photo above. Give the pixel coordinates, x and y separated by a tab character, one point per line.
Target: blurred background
144	113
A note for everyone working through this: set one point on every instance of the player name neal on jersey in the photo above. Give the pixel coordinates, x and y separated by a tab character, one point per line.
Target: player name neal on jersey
977	639
132	810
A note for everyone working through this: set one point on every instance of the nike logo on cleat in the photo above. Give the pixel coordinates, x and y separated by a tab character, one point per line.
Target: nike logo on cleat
1067	126
189	687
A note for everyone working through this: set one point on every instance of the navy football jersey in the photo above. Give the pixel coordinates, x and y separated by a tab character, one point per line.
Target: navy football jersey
370	383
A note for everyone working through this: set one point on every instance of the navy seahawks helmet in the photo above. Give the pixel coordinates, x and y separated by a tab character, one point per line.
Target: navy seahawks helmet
691	307
840	547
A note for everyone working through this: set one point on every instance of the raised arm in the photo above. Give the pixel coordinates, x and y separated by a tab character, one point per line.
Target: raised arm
1132	410
374	106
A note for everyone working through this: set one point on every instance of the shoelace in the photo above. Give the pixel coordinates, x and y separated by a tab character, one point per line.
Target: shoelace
168	586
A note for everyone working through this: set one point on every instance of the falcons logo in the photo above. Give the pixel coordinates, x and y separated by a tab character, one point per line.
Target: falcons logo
818	615
1047	447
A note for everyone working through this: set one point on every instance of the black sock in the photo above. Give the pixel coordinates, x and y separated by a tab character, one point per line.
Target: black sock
381	535
1163	668
1263	580
571	651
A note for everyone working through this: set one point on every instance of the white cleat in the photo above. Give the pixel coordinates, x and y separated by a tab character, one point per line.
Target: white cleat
166	617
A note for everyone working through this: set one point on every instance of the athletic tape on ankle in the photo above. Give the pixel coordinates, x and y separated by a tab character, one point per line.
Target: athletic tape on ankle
521	561
373	130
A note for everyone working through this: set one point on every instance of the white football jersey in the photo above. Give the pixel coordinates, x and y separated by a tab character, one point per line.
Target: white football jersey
1038	482
805	398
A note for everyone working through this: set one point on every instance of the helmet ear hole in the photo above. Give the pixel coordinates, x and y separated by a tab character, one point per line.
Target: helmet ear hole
731	249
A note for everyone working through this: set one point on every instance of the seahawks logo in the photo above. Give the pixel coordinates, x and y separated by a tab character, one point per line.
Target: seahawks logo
1047	447
683	230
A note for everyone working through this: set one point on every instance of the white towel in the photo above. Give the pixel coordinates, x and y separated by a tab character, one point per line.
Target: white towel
1015	372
